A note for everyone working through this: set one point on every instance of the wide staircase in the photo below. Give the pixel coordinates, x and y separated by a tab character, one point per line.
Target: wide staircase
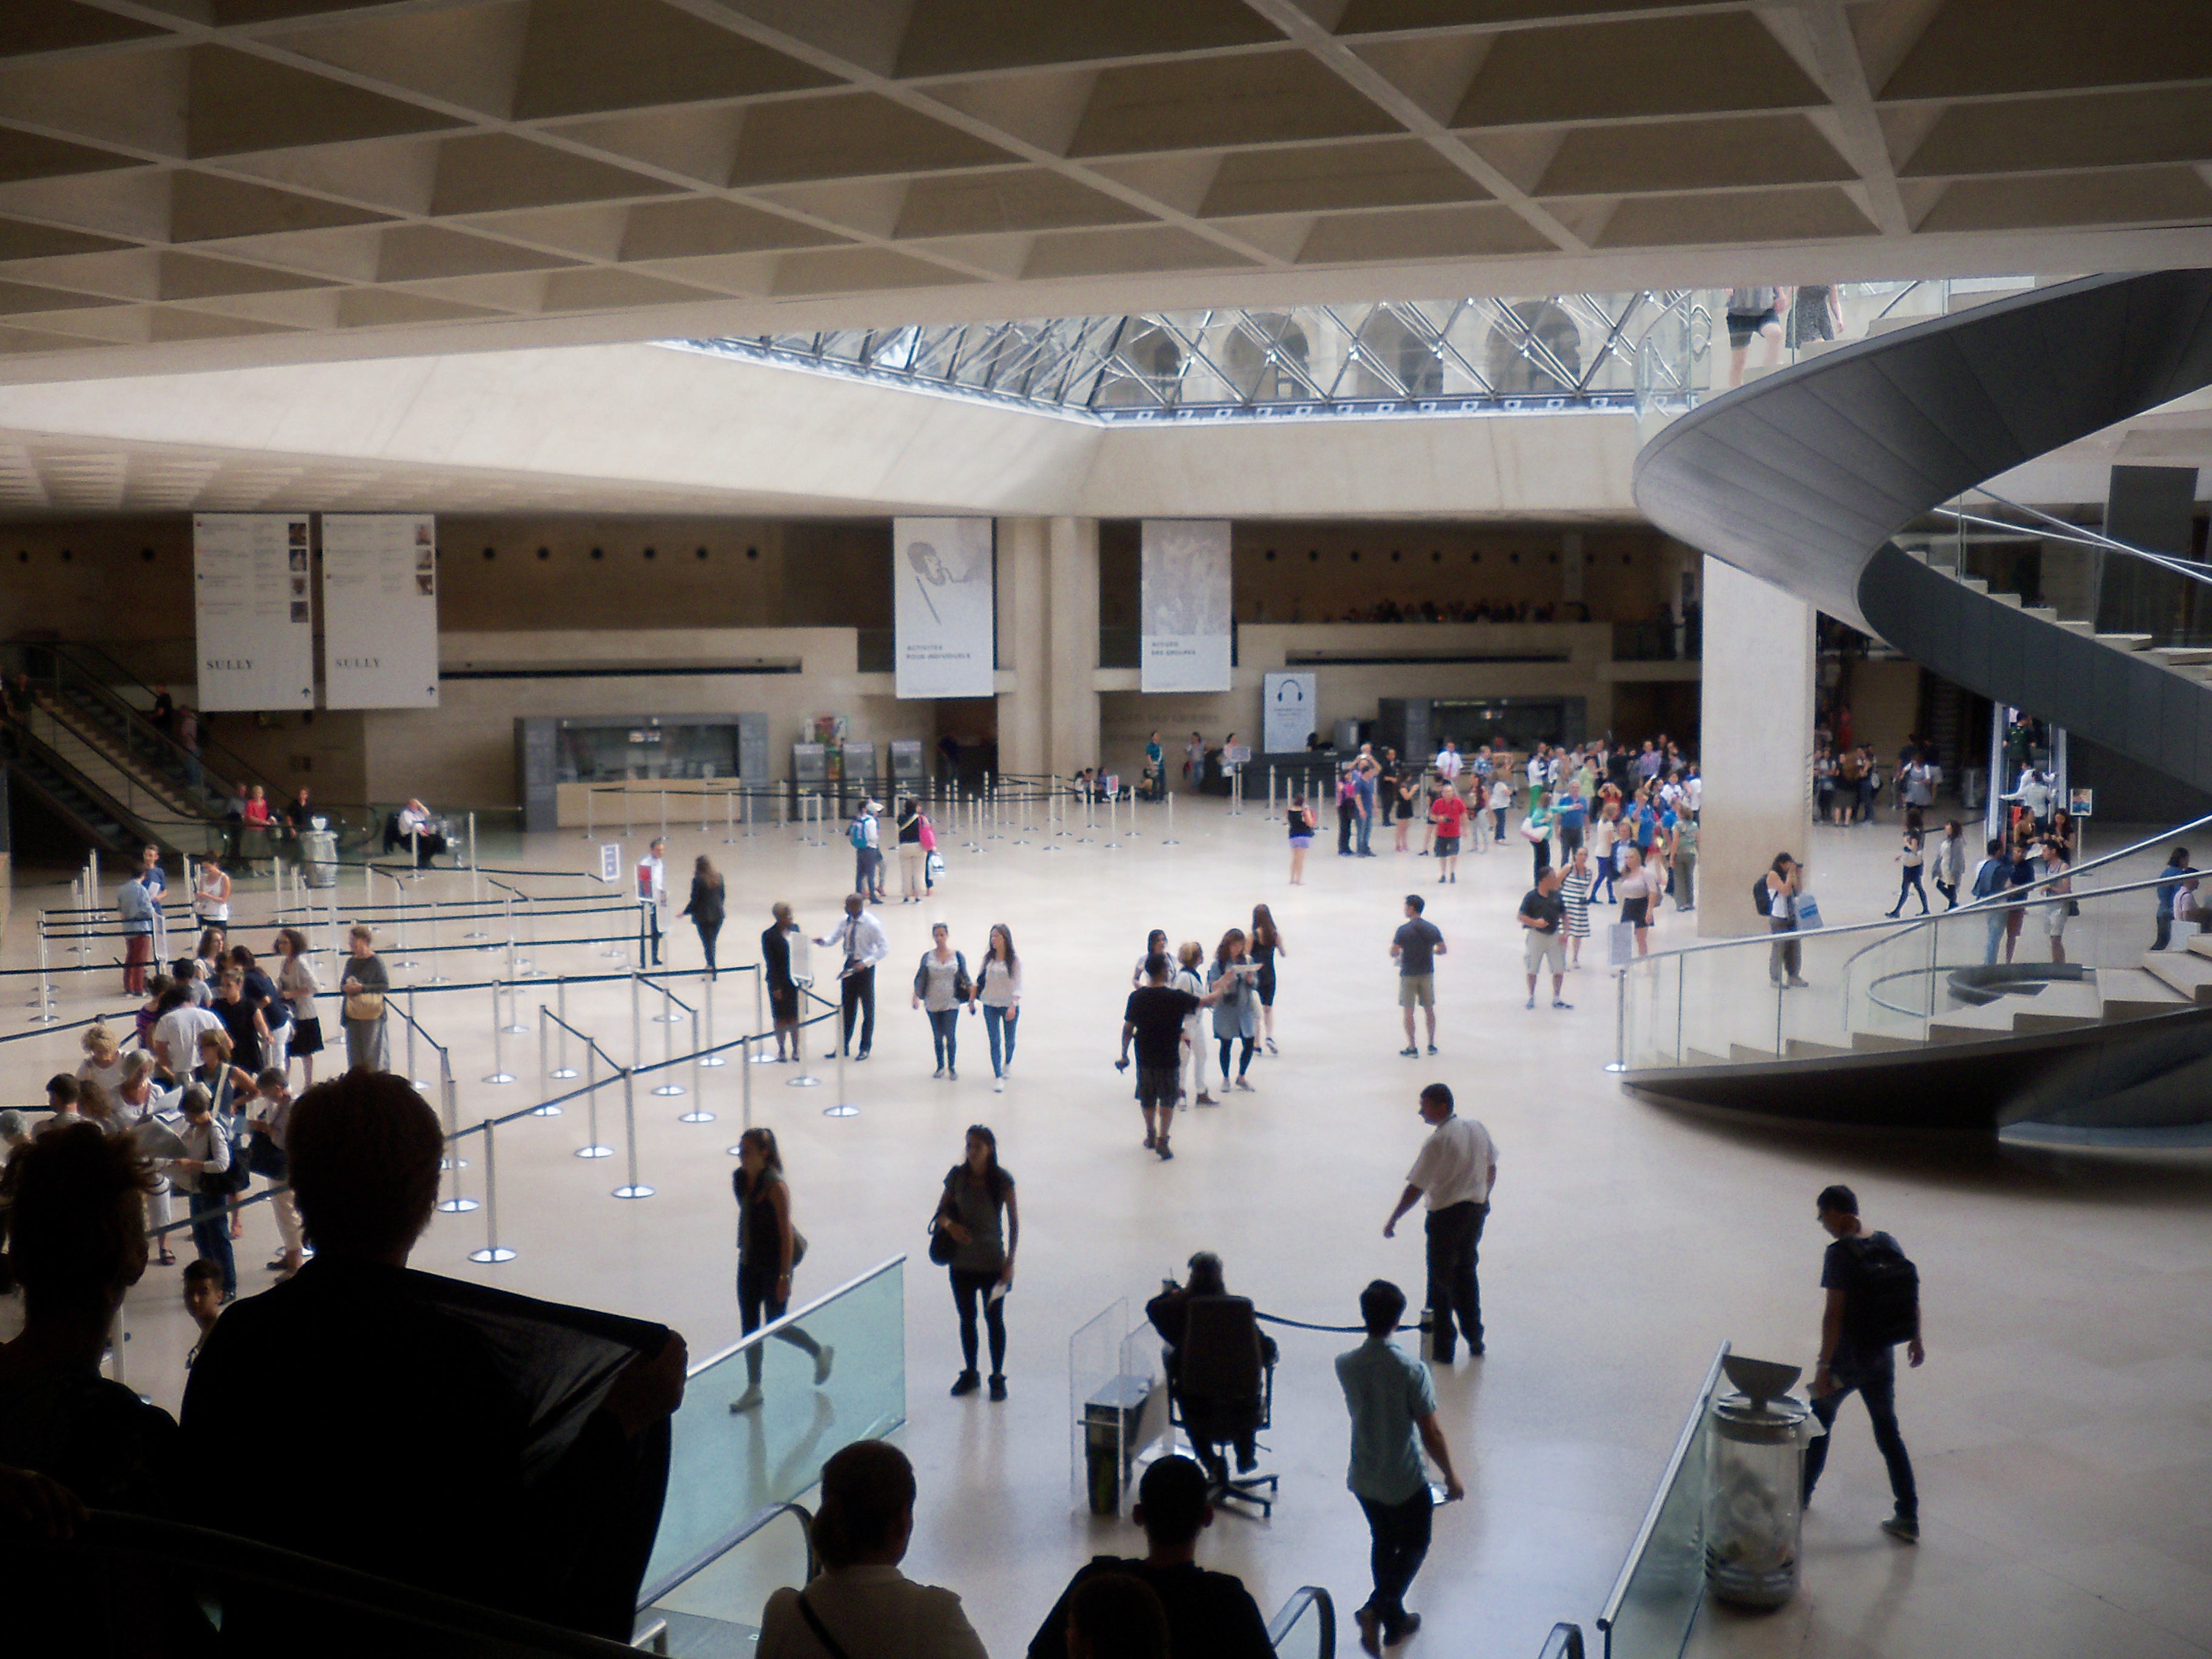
1857	480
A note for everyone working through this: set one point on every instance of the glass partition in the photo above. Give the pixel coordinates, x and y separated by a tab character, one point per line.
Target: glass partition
728	1468
1661	1585
1304	1627
718	1609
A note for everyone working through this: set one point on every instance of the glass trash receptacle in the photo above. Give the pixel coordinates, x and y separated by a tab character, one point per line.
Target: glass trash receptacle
1112	1422
1754	1507
319	857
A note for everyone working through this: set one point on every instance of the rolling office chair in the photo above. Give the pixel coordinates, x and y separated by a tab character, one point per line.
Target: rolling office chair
1222	1392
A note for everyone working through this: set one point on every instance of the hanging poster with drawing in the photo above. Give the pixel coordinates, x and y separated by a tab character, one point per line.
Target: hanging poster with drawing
1185	605
944	607
254	624
379	610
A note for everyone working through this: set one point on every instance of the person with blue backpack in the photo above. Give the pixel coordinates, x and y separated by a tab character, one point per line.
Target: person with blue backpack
1873	1306
867	837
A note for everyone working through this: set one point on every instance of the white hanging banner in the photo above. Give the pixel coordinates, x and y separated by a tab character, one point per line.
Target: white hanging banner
253	621
379	610
1286	711
1185	605
945	607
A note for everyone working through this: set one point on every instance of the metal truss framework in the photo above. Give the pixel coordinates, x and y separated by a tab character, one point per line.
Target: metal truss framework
1563	354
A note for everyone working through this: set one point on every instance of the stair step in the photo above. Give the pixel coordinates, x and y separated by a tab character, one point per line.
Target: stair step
2125	641
1867	1042
1974	1024
2133	993
2060	1007
2087	630
2200	944
1805	1048
2185	970
1742	1053
2180	655
2041	612
1699	1057
2012	599
1974	582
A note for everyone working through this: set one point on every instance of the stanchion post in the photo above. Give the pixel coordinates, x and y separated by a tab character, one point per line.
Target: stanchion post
592	1148
1169	839
707	1006
840	1107
457	1202
635	1189
670	1087
636	1025
698	1113
564	1070
493	1251
436	978
747	1076
759	1014
499	1072
420	1083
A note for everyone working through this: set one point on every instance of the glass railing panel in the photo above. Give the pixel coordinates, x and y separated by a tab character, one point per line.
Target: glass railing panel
728	1466
718	1609
1657	1595
1304	1627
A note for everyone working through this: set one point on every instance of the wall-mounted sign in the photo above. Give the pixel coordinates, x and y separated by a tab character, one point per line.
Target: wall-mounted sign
379	610
1185	605
253	620
1286	711
944	607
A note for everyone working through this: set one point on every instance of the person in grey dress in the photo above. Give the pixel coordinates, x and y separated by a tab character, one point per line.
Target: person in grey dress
978	1212
364	985
1237	1015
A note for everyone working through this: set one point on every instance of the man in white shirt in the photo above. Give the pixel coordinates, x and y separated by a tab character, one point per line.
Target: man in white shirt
419	834
860	936
177	1035
651	898
1455	1172
1693	790
1448	763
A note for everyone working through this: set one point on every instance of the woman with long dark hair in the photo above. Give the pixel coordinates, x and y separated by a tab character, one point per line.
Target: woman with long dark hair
1266	945
997	993
978	1212
297	984
782	988
1909	855
705	908
1237	1015
769	1249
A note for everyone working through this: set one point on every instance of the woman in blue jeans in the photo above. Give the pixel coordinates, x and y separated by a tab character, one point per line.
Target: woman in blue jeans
997	993
205	1165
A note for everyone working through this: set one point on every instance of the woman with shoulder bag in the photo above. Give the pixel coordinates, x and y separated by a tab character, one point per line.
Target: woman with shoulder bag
364	985
704	907
1235	1016
978	1212
940	986
768	1249
297	984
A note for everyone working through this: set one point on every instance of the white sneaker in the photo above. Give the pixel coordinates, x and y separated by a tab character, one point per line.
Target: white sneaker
998	1086
749	1400
822	1361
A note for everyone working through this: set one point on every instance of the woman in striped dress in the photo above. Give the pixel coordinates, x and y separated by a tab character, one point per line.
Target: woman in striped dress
1576	890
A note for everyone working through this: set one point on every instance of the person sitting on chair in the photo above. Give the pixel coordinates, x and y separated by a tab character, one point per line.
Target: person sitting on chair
1169	1312
1210	1614
413	828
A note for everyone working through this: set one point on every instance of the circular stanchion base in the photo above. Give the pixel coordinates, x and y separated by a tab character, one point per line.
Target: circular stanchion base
562	1073
437	979
476	936
802	1083
453	1164
668	1019
768	1060
545	1111
492	1253
1170	844
696	1117
1048	848
1111	847
633	1192
456	1205
841	1110
516	1030
500	1077
595	1152
668	1090
1616	1066
418	1082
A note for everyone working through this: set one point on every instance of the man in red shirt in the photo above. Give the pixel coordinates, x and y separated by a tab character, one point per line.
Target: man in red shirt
1448	812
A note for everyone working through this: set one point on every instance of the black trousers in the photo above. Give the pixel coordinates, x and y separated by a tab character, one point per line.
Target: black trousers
708	932
648	932
1454	1242
966	1289
1400	1532
1345	814
860	997
757	1299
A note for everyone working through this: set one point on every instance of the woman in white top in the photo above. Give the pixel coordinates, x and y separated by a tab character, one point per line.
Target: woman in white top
1951	862
1643	883
997	993
297	984
1783	959
860	1604
211	897
1156	944
2051	869
103	1061
1190	957
1501	801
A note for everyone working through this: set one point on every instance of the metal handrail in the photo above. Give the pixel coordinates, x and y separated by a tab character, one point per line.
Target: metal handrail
1692	1425
244	771
707	1557
2061	531
1294	1609
1565	1642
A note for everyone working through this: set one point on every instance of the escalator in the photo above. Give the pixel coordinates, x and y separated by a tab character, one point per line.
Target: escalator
88	812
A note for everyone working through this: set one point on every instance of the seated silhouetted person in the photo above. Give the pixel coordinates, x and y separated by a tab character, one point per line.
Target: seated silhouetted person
70	1438
1169	1312
460	1439
1210	1614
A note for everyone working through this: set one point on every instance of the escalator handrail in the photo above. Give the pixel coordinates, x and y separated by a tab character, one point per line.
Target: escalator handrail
176	1544
133	824
242	771
1565	1642
131	817
650	1595
1293	1609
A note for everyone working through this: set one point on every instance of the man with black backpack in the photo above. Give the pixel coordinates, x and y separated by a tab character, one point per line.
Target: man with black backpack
1874	1304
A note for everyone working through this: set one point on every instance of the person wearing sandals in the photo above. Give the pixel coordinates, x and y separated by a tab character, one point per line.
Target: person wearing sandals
998	991
977	1210
782	988
1237	1013
769	1249
1266	945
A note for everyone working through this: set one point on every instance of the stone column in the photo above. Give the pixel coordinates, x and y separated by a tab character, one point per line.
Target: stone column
1754	743
1072	588
1024	712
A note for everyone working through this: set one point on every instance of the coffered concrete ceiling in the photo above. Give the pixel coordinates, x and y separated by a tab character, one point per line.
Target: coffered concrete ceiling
195	182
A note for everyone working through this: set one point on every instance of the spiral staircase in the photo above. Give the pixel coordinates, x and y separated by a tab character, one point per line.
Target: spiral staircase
1806	479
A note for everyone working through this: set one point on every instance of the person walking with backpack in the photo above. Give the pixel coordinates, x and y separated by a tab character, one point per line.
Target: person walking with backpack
1775	897
1873	1306
866	838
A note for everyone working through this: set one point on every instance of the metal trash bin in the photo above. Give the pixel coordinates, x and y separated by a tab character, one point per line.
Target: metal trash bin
1973	787
1112	1420
319	857
1754	1504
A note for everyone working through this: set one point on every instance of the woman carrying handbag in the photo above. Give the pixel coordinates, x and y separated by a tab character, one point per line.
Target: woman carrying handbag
768	1249
978	1217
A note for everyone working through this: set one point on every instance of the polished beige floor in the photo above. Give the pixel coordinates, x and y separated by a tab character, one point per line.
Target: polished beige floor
2062	1428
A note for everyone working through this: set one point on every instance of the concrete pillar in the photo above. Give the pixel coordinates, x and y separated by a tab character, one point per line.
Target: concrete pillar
1024	644
1073	588
1754	744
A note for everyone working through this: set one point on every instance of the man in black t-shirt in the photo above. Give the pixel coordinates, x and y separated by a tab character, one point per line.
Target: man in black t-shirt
1543	918
1209	1614
1849	1360
1416	946
1155	1018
